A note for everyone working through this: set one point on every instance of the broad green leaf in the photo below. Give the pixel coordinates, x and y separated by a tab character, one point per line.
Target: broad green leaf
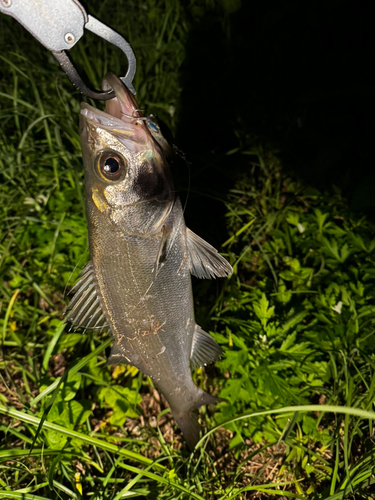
71	386
122	400
263	311
284	295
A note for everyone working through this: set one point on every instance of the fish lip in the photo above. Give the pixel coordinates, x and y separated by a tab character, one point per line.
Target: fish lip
120	113
121	118
124	104
97	117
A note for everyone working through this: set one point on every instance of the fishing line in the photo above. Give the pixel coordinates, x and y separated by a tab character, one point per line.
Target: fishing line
189	180
182	220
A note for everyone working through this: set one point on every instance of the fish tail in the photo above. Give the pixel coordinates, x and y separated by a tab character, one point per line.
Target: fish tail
188	423
188	420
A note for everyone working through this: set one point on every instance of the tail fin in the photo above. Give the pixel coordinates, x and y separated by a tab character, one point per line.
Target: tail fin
188	420
188	423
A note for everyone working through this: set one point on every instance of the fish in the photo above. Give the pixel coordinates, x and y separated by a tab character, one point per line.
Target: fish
137	285
153	126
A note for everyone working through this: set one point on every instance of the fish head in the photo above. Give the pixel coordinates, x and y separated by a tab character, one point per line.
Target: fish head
127	176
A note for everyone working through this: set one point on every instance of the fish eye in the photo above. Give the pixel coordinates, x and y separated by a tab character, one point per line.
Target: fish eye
111	166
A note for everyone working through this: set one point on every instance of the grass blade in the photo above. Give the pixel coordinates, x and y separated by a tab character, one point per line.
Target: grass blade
356	412
35	421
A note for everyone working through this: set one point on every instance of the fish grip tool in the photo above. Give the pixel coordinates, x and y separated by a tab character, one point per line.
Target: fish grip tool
58	25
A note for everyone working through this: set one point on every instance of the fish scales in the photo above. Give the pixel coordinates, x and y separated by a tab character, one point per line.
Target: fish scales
142	257
145	315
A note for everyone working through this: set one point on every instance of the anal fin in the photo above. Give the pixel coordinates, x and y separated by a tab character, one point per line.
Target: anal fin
205	261
204	349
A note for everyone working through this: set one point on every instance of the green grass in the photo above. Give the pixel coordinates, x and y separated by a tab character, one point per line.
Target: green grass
296	320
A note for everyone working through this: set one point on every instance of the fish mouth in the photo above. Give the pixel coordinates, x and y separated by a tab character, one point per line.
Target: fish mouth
123	106
120	113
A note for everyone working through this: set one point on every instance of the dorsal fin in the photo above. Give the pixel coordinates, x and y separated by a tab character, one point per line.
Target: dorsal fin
84	310
204	349
205	261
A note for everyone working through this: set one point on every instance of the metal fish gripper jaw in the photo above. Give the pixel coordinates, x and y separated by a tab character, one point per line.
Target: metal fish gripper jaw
58	25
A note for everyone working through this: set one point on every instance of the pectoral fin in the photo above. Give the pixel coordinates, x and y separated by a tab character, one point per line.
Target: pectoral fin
84	310
162	253
205	261
204	349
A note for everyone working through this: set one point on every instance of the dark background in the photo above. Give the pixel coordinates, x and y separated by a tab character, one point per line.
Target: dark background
297	77
290	76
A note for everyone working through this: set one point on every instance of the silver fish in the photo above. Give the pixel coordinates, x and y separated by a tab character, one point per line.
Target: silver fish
138	283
